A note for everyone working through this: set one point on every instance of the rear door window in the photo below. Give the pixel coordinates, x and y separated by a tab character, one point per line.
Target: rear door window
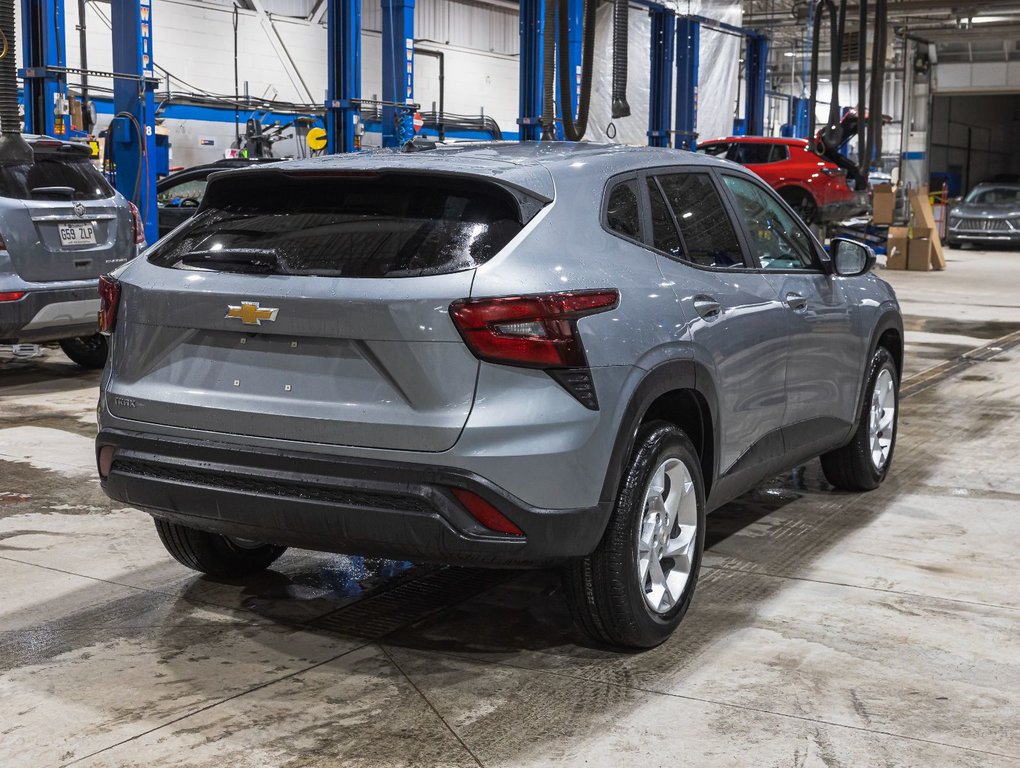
186	193
51	175
344	225
753	153
706	232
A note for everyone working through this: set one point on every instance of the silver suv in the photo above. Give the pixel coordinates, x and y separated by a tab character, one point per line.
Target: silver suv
506	355
61	226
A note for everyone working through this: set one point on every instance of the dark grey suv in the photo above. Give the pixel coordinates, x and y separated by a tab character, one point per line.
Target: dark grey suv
505	355
61	226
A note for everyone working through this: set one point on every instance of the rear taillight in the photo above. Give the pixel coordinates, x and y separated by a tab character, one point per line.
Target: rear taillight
109	299
3	243
139	227
485	513
533	331
12	295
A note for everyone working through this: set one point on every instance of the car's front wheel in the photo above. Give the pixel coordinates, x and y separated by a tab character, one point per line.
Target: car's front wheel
801	202
863	464
635	588
86	351
214	554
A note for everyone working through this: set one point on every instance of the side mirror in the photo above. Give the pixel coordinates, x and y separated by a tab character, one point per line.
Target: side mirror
850	257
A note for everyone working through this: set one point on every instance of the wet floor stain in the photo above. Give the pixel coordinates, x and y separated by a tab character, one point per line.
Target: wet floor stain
976	329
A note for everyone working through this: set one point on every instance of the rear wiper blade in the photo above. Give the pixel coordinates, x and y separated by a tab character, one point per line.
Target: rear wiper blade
253	260
53	191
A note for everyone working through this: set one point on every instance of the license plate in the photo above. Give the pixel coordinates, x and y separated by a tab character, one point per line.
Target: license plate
76	233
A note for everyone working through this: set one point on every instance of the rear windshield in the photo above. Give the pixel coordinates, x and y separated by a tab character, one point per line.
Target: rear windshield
54	176
378	225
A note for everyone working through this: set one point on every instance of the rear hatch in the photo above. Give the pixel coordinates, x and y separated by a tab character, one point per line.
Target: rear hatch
312	307
59	217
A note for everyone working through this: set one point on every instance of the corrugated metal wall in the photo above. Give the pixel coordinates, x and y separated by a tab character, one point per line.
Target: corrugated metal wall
479	26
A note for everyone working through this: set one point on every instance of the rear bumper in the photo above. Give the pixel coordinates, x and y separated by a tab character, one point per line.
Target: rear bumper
50	314
356	506
843	207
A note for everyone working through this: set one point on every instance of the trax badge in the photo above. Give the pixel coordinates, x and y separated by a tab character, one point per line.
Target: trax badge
250	313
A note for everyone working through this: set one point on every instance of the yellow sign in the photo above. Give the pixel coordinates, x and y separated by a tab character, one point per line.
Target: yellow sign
316	138
250	313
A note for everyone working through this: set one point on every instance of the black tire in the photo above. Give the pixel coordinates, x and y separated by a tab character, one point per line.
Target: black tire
606	599
213	554
86	351
851	468
801	202
953	244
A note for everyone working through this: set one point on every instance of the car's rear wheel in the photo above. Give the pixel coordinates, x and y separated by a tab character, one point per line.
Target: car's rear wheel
86	351
635	588
863	464
954	244
213	554
801	202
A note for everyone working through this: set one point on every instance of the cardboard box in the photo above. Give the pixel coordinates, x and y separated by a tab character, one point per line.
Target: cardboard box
883	204
896	233
922	220
896	253
919	254
938	258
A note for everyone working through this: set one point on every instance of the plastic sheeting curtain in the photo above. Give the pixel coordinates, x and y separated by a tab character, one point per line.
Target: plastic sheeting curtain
718	72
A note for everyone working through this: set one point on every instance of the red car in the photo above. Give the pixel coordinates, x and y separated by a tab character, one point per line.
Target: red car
814	187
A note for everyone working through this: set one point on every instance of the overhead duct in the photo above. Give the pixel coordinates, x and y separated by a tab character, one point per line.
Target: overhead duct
621	17
14	150
575	130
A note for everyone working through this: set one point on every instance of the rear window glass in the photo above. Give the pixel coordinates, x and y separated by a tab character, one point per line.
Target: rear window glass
378	225
622	210
49	177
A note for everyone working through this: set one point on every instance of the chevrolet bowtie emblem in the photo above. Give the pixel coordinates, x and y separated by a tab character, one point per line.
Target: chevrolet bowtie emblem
250	313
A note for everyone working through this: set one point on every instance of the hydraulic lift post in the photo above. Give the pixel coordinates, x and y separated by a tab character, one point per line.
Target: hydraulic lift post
688	35
397	71
42	27
343	65
132	131
660	90
532	29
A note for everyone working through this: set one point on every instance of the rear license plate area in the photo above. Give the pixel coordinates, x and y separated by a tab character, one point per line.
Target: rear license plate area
76	233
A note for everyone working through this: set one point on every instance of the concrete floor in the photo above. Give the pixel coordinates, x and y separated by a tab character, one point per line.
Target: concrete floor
828	629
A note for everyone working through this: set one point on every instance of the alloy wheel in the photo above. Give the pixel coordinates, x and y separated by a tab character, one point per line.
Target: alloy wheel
667	535
882	418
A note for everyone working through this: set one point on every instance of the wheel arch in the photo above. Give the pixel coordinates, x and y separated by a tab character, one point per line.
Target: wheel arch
682	393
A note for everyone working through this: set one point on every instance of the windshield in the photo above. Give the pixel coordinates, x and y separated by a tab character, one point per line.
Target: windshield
994	196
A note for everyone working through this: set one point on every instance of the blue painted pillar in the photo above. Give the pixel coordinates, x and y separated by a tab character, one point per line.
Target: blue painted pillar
799	117
397	70
343	71
660	91
531	30
132	131
688	35
42	29
756	57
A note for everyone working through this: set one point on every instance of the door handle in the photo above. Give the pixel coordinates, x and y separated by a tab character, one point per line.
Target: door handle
707	307
795	301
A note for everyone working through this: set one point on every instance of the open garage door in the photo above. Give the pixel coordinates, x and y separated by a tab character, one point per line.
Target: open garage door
972	139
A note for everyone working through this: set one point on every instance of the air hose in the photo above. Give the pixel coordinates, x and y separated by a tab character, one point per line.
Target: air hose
548	118
621	14
575	130
14	150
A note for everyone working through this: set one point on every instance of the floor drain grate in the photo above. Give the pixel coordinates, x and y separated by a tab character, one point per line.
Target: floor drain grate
384	613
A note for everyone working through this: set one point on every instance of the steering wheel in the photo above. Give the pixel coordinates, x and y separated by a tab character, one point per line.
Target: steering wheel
190	202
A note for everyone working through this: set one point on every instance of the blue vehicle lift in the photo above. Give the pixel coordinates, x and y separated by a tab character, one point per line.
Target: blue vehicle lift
343	61
42	29
672	38
132	132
